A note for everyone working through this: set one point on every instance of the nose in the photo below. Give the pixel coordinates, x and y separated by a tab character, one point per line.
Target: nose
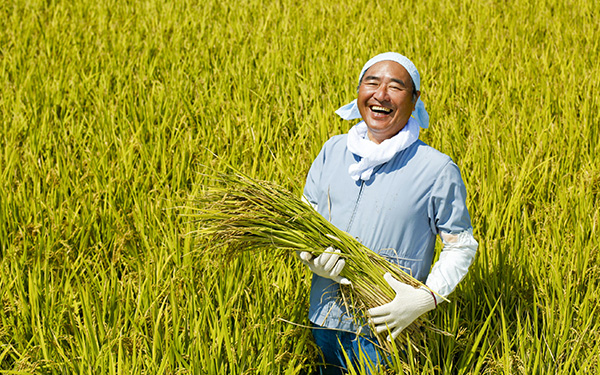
381	93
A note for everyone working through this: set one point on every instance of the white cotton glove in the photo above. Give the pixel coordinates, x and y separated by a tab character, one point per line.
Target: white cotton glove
328	264
408	305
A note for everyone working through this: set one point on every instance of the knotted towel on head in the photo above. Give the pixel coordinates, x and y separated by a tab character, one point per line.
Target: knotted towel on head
350	111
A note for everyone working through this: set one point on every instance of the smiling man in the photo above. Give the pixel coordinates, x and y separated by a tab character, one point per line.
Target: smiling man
395	194
386	99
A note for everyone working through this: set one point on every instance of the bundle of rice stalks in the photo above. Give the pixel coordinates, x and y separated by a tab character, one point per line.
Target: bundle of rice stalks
241	213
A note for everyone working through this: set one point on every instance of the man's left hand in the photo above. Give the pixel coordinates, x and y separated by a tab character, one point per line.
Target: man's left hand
408	305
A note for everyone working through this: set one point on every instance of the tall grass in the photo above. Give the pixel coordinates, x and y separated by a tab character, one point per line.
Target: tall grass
108	110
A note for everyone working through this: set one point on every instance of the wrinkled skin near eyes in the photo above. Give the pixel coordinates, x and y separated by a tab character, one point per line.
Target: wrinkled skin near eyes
385	99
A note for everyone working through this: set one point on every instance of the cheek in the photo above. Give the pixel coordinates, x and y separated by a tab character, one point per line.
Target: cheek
363	95
362	99
362	109
405	103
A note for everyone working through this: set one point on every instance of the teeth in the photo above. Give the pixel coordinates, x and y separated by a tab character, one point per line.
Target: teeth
378	108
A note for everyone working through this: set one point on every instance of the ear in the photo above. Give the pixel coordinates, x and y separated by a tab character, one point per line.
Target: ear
416	97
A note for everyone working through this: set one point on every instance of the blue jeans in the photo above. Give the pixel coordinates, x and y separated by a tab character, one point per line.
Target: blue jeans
361	351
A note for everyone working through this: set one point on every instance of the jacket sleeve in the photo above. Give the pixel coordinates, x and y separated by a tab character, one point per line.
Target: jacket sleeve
312	188
451	221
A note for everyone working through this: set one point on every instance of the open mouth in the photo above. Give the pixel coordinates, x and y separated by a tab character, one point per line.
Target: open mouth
378	109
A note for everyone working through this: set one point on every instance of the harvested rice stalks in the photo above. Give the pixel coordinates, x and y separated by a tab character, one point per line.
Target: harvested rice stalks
241	213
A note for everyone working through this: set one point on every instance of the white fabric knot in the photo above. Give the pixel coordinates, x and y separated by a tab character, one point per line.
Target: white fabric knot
373	154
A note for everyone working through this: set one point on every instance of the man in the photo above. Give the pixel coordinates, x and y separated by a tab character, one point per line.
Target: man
395	194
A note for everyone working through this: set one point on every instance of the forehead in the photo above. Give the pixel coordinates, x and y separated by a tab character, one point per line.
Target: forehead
388	69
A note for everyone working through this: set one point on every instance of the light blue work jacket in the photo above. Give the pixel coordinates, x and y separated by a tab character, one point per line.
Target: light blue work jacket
397	213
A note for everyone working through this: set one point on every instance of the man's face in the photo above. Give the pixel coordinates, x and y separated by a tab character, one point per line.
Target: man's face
385	99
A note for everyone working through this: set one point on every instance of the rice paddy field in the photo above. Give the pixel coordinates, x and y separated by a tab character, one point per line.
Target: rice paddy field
115	114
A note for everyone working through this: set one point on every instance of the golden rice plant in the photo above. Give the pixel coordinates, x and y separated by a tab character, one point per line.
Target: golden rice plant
240	213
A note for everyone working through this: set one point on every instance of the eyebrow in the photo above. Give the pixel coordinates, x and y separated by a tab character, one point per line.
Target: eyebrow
399	81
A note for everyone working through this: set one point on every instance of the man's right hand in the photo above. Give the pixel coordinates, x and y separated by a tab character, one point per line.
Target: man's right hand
329	264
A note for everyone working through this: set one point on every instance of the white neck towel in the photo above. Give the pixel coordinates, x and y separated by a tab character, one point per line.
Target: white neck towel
373	154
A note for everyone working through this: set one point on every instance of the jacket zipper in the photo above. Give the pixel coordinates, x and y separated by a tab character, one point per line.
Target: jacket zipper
360	191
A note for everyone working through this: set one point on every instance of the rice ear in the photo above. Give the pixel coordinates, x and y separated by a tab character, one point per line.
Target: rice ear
239	213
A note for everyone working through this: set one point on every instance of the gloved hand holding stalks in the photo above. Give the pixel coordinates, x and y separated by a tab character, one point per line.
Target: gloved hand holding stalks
329	264
408	305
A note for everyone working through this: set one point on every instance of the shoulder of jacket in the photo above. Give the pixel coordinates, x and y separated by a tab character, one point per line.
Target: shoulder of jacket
335	143
337	140
431	152
435	159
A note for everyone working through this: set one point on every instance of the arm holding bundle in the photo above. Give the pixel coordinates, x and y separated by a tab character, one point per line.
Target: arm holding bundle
410	302
451	220
329	264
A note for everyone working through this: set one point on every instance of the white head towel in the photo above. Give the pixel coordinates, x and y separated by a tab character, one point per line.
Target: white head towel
350	110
